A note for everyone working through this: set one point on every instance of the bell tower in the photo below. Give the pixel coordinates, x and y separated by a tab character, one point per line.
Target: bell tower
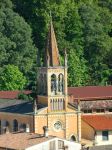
52	77
56	115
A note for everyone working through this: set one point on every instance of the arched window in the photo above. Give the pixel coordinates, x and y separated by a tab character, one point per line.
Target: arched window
53	84
60	83
23	127
15	125
73	138
6	126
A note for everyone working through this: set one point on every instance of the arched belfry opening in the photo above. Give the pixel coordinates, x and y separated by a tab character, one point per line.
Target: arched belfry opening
60	83
53	84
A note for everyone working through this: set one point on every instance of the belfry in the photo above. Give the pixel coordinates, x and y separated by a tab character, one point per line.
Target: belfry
57	116
52	81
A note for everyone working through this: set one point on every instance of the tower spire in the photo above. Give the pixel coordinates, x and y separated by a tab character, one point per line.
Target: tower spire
51	50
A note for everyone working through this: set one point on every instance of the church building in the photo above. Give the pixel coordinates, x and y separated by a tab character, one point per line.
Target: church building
58	117
51	114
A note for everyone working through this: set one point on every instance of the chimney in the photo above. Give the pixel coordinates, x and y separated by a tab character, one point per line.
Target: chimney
46	131
6	130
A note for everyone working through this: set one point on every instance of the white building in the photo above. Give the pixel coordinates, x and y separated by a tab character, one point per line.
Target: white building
31	141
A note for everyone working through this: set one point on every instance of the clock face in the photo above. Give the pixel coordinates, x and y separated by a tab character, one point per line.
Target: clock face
58	125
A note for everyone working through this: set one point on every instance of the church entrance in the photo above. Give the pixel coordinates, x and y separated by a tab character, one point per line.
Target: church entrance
73	138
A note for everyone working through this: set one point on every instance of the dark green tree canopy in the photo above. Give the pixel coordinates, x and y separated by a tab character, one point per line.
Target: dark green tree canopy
83	27
16	45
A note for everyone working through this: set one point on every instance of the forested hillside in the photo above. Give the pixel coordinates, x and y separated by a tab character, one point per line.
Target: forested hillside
83	27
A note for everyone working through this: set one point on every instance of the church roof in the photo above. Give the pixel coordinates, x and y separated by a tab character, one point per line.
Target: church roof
51	50
18	106
90	92
99	122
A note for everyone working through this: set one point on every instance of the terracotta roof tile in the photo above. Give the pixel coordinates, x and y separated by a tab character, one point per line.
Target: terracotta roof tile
21	140
99	122
11	94
91	92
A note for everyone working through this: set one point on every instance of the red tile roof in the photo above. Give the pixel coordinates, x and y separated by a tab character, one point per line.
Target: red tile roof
91	92
11	94
84	93
99	122
21	140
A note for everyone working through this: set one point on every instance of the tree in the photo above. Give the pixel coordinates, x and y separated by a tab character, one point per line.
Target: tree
84	27
16	44
67	25
77	70
12	78
97	41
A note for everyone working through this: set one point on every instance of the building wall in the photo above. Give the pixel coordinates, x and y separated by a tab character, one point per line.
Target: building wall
43	100
87	131
68	121
45	145
22	119
99	141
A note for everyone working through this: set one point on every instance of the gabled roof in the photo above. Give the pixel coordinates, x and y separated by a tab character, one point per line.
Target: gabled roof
91	92
21	140
99	122
51	50
12	94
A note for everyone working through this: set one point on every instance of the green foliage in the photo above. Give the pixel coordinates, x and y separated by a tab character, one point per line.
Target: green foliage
77	71
83	27
16	45
97	41
12	79
23	96
68	28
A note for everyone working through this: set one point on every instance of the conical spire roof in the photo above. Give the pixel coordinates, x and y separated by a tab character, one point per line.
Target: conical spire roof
51	51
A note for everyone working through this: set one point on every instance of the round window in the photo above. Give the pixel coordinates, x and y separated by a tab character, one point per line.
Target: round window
58	125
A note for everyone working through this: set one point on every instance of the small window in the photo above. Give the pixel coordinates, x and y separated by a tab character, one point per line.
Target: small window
60	144
105	135
88	111
110	110
100	110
